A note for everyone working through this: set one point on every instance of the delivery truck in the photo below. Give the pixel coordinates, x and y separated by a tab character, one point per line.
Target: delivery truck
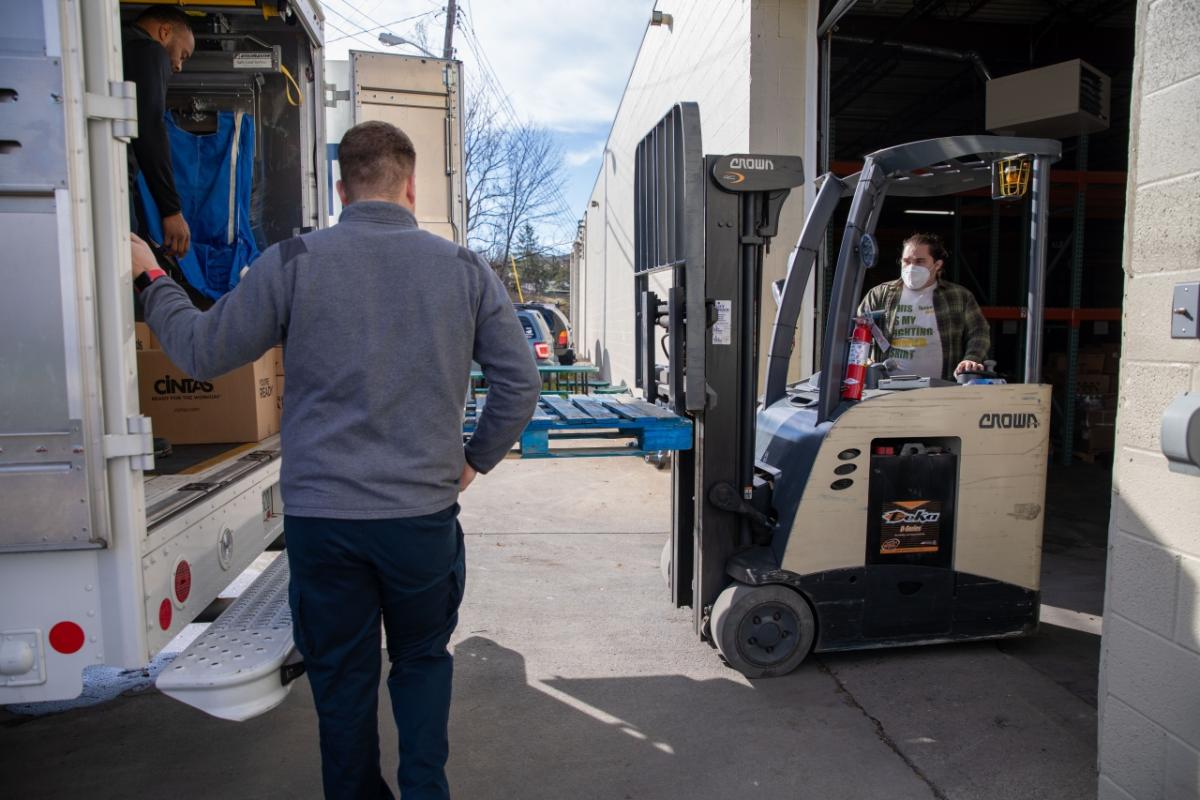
108	550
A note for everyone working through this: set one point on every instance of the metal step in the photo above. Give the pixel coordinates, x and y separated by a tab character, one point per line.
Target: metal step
245	662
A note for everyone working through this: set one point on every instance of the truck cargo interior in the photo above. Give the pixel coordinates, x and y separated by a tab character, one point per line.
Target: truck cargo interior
255	69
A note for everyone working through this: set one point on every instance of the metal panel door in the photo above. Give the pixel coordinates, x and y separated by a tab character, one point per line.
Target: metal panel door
44	416
421	96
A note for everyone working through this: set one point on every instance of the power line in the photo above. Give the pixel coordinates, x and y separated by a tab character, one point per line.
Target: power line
355	36
378	27
492	81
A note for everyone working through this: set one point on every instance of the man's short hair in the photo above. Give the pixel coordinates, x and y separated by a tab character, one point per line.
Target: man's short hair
376	158
937	248
170	15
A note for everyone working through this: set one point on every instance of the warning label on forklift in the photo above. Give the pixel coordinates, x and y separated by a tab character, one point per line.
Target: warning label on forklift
722	329
910	526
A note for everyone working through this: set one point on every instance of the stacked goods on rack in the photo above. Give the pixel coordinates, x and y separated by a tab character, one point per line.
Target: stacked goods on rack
1095	399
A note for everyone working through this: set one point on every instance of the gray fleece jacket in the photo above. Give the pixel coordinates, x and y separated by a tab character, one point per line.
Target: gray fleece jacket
379	321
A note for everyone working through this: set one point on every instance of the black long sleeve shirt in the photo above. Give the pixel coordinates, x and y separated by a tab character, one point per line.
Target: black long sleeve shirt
148	65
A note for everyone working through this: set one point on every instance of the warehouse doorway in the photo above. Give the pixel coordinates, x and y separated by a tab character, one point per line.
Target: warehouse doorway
902	70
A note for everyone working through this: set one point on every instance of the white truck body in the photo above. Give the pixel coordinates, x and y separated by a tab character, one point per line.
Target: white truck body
101	562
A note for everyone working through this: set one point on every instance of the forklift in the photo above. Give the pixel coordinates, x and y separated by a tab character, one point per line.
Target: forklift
856	508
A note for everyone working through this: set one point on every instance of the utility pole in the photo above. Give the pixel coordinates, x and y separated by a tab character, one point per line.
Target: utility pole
451	18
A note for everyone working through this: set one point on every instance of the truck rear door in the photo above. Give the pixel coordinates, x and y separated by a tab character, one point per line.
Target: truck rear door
421	96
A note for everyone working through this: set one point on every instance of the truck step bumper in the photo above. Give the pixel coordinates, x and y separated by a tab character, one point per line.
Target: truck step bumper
244	664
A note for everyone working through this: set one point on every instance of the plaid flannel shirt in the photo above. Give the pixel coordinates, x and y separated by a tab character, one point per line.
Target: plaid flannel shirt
961	325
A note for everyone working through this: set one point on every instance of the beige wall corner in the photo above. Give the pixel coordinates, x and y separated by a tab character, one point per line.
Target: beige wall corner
1150	659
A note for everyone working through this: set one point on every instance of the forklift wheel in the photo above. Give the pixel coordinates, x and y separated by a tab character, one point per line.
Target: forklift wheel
762	631
664	563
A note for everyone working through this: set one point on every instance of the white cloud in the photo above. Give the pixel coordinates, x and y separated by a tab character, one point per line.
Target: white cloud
564	64
577	158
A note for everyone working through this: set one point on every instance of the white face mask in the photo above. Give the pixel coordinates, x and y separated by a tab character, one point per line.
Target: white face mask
914	277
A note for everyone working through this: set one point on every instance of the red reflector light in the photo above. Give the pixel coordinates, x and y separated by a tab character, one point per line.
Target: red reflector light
66	637
562	338
541	350
183	581
164	614
882	450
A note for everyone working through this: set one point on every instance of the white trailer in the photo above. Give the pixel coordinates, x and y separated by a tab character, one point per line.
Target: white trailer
423	97
103	561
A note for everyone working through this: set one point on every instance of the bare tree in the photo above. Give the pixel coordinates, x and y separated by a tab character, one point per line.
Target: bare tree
514	178
484	165
533	179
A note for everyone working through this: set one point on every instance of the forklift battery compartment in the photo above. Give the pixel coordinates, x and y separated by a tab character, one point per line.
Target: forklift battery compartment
910	537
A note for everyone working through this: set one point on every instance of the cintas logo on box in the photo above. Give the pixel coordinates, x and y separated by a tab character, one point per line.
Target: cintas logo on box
166	385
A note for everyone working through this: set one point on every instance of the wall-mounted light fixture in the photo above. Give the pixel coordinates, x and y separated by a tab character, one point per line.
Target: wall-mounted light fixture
662	18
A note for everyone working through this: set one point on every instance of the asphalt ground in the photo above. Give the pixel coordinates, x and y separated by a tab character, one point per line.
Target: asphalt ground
575	678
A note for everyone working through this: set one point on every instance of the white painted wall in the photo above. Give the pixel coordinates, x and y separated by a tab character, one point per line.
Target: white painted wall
750	68
1150	660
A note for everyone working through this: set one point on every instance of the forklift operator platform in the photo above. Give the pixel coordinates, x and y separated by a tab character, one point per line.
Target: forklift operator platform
857	512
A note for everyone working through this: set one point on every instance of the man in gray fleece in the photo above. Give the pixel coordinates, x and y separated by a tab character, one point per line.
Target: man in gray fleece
380	322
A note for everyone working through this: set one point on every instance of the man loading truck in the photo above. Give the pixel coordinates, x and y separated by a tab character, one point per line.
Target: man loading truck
380	322
155	46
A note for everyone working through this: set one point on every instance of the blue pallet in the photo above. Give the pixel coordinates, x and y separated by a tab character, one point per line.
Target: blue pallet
644	427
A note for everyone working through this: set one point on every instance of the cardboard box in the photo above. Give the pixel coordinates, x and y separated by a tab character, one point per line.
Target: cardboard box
239	406
1092	383
276	354
1112	363
144	338
1094	417
1098	439
1091	362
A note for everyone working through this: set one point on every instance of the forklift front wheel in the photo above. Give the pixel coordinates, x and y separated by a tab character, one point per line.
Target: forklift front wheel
762	631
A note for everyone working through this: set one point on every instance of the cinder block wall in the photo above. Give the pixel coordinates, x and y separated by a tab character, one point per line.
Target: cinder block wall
748	65
1150	663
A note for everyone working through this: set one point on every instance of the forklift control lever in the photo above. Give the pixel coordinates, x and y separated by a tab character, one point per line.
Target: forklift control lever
727	498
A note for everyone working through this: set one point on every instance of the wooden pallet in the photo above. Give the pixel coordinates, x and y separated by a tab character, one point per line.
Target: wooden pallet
640	427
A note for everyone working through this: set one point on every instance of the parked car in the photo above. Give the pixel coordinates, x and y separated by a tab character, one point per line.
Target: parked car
560	329
541	341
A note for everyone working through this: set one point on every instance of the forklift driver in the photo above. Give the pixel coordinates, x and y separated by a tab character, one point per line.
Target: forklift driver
935	327
154	47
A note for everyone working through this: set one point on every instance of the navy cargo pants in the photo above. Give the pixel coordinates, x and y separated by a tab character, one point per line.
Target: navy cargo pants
345	575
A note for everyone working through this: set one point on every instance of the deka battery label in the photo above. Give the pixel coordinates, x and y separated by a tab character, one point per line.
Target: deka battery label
910	526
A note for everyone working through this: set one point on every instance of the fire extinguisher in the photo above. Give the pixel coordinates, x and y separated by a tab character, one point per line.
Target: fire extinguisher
856	362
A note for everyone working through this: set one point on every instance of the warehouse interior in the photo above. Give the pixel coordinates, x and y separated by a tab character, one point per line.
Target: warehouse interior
903	70
899	71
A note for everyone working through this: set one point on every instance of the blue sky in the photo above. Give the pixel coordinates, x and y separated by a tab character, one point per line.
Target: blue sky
563	64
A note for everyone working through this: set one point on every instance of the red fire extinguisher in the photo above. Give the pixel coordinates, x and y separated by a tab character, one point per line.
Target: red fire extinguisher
856	361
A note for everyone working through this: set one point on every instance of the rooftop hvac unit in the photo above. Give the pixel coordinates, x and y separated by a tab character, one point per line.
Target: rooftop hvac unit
1066	99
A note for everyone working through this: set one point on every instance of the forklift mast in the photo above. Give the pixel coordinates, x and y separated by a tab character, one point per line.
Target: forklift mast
702	223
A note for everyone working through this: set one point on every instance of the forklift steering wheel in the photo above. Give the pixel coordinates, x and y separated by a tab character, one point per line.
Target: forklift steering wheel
965	376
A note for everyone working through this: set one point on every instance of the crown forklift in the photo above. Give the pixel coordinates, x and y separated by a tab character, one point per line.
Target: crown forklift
856	508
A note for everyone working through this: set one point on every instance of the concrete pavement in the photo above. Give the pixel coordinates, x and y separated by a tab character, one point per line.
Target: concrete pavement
576	679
